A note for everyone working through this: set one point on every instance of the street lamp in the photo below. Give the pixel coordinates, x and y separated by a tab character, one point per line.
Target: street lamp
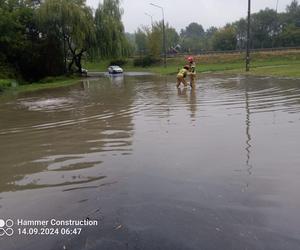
248	38
164	33
150	17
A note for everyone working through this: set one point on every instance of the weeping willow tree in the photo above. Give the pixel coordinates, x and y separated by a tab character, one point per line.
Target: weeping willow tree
111	41
71	21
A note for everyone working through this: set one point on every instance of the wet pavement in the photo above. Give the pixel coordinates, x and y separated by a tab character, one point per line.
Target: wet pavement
217	167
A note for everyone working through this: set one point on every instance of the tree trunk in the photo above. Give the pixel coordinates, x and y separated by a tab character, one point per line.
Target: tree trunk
76	58
78	62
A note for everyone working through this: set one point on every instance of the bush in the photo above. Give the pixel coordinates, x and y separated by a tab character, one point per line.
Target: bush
6	72
51	79
4	84
119	62
145	61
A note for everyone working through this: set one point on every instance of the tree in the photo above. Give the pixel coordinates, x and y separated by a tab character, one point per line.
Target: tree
21	47
207	40
155	40
225	39
194	30
130	37
290	36
293	10
241	33
264	28
110	35
192	38
150	40
71	22
292	15
141	41
172	37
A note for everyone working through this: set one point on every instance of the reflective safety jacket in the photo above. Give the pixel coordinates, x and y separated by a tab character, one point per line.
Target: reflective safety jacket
182	73
193	67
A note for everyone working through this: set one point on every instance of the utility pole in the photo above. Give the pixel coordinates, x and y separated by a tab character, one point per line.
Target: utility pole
248	38
164	33
276	23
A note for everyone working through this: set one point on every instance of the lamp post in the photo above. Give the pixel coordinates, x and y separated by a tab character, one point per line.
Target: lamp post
248	38
150	17
164	33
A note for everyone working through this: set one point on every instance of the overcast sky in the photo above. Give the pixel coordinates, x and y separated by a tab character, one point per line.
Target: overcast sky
178	15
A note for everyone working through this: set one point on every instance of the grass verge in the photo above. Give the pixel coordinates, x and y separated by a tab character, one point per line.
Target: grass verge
4	84
273	63
47	83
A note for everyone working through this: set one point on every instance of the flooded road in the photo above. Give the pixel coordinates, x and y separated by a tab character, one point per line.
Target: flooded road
217	167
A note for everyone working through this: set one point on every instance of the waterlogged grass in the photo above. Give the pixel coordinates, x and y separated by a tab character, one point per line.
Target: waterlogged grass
283	70
47	83
5	84
273	63
52	83
279	67
277	64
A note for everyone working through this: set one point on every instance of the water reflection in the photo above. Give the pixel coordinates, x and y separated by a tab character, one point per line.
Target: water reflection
190	97
67	147
248	123
116	79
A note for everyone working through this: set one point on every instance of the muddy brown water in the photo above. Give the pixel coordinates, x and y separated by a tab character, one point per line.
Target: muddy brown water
217	167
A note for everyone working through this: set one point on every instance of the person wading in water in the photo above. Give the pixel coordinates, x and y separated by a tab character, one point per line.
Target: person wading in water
182	75
192	71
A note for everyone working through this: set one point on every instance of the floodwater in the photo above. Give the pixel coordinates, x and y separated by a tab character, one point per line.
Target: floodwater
217	167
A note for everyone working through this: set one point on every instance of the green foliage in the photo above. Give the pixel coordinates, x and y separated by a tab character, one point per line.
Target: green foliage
4	84
172	37
47	83
149	41
268	29
264	27
293	12
241	33
131	43
145	61
192	44
225	39
110	35
119	62
141	41
194	30
68	19
5	70
194	39
71	22
290	36
155	41
271	29
21	47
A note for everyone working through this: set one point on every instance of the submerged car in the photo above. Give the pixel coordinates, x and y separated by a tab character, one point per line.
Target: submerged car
114	69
